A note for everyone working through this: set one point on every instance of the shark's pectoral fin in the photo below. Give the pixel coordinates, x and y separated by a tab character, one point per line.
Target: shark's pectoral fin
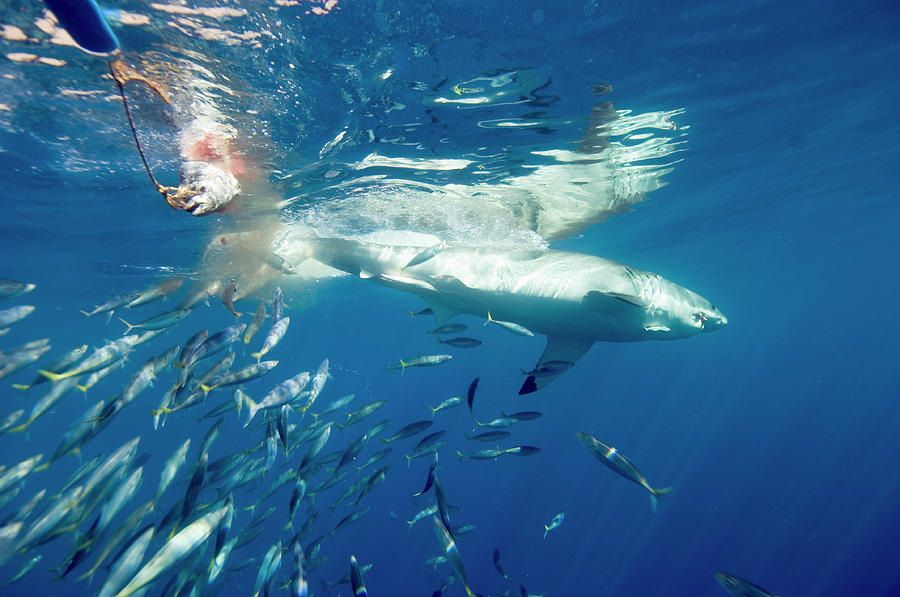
442	314
365	274
560	350
601	300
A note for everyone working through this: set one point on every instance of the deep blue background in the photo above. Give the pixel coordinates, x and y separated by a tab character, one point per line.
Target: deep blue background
778	433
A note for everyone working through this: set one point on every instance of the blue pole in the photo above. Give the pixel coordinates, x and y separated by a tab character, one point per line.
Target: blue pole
86	24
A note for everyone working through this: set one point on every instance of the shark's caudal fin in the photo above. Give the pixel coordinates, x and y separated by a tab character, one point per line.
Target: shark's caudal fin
560	349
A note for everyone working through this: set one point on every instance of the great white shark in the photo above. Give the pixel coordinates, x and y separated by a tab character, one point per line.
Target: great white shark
574	299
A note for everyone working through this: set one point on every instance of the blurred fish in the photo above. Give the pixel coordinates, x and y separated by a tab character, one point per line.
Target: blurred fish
336	405
429	360
157	291
621	465
126	530
356	579
10	420
13	288
228	296
452	553
316	447
376	429
270	564
56	366
176	549
113	304
14	315
277	304
211	434
498	422
408	431
376	457
489	436
126	565
522	450
448	403
461	342
424	255
158	322
170	468
16	473
555	523
524	415
99	375
496	558
29	565
428	445
201	291
449	328
345	580
279	328
281	394
423	513
299	586
119	499
362	413
515	328
316	385
48	401
739	587
100	358
350	518
470	394
425	311
248	373
373	480
22	356
257	322
221	409
190	350
549	369
429	480
218	341
486	454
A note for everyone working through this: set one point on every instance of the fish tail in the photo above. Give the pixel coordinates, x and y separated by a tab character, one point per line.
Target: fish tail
126	323
83	389
40	468
411	314
206	389
460	454
469	592
655	494
21	386
257	355
546	530
252	408
18	429
54	377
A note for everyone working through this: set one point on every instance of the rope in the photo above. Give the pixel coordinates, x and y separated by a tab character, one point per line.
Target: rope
115	69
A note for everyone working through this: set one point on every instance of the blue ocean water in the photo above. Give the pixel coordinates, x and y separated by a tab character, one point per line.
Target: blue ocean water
776	433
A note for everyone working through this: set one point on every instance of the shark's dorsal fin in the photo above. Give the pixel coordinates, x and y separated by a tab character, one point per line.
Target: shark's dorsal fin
602	299
560	349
